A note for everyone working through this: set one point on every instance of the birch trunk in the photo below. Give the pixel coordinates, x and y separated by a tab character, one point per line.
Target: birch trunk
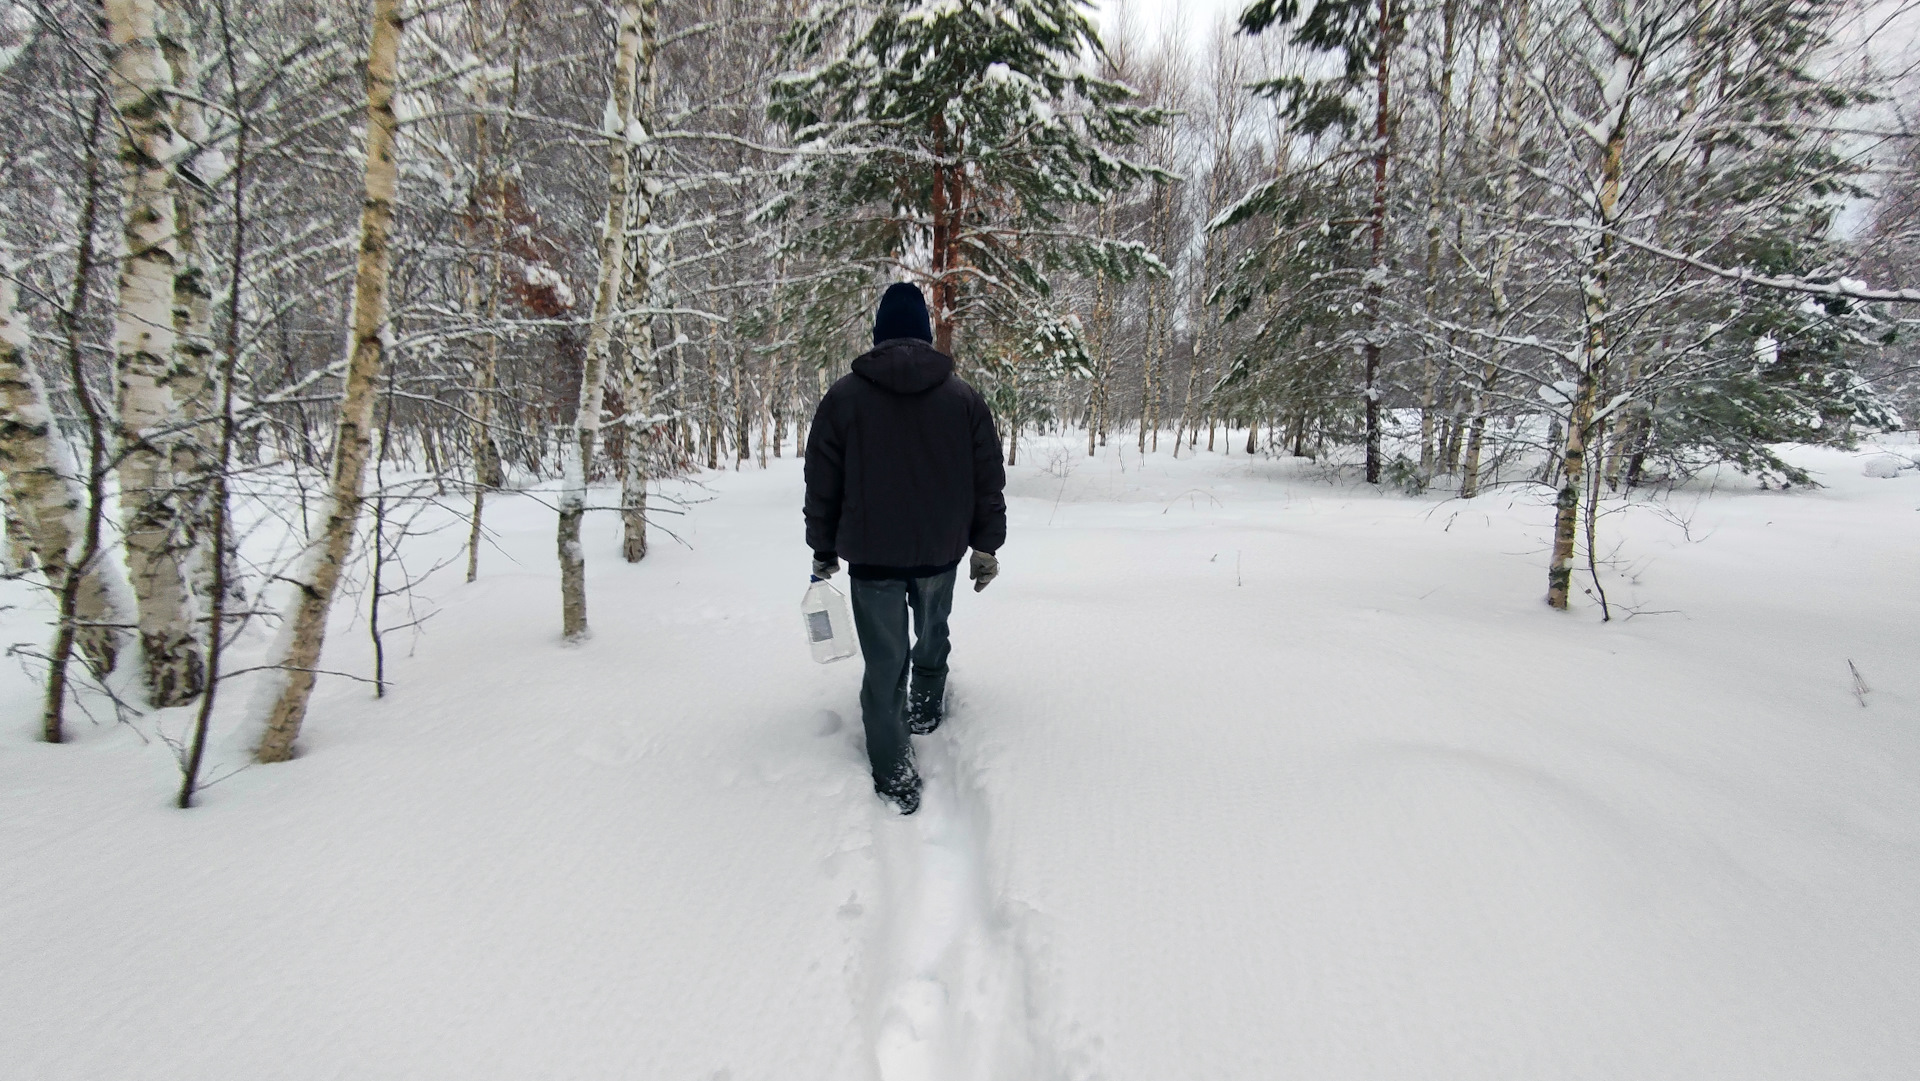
711	427
613	235
486	454
85	562
638	388
154	374
742	406
1429	375
45	490
319	571
776	399
1097	394
1507	137
20	559
682	430
1626	423
1594	348
1146	364
191	453
1377	234
483	221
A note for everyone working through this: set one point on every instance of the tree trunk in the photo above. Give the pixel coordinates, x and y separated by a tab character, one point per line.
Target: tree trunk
192	464
1625	423
1513	61
742	406
46	492
1429	374
319	570
90	586
154	374
20	558
948	216
1013	422
1593	362
1377	233
586	418
1146	363
486	454
710	426
638	388
220	535
1096	395
483	222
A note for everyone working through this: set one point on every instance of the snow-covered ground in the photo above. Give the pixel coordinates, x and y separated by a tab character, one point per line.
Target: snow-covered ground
1252	773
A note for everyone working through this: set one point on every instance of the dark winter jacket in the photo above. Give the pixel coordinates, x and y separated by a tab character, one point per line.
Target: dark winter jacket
903	466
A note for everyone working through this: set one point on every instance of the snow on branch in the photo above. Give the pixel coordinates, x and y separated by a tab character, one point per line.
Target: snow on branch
1843	287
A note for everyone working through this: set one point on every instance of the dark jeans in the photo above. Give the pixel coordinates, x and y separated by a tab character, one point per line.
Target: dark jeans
880	609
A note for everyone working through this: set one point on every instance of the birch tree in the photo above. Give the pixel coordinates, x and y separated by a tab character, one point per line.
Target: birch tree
637	387
1515	28
155	374
46	489
635	23
297	653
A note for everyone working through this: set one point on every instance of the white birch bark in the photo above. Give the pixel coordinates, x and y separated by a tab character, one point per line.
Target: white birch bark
298	650
484	216
47	497
1595	281
638	387
1514	57
148	361
191	455
586	422
1429	373
19	551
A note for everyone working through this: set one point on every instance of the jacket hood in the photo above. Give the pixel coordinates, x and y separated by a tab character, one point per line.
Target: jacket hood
904	366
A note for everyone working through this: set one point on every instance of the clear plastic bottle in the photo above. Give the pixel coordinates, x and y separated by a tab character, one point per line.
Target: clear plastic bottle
829	621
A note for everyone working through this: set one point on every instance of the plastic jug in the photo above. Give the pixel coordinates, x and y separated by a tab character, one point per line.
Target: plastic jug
829	623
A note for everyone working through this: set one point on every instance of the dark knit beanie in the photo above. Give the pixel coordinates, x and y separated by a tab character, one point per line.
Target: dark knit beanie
902	314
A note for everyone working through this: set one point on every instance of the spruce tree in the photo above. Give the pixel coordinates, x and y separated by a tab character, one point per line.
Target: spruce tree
950	142
1364	33
1755	182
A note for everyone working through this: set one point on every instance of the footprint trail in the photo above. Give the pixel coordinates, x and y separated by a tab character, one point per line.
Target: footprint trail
951	1004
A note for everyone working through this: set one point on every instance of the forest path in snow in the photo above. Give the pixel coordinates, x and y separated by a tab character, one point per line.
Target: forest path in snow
950	1002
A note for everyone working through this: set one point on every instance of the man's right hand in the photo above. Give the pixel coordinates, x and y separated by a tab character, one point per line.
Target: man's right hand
825	564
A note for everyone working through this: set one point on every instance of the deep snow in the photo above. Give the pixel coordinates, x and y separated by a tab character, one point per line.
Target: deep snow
1252	773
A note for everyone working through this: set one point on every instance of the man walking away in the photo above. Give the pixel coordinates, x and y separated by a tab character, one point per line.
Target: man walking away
903	476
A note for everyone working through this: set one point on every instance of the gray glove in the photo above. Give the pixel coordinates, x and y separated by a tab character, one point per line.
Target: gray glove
984	567
825	564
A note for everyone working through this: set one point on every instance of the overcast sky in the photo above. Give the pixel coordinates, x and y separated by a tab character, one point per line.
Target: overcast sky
1195	17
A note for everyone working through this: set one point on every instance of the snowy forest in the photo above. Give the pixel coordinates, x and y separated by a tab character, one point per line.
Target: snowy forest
314	314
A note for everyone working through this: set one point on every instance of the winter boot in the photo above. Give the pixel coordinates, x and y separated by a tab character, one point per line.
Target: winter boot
926	707
904	795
